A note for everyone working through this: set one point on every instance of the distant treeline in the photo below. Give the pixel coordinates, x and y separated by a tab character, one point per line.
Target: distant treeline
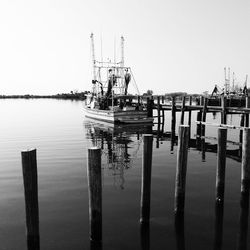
72	96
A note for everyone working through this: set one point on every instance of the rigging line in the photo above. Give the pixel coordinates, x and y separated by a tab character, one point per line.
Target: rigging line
136	87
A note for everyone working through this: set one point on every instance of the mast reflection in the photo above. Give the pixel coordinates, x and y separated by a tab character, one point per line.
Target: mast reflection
119	143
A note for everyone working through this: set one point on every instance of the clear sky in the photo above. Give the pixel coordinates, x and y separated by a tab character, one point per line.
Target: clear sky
171	45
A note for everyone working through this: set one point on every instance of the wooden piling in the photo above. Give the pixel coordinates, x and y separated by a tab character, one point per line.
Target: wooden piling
245	163
163	120
183	110
146	178
190	113
204	115
173	120
29	167
181	169
221	164
198	127
242	123
223	110
95	193
246	123
150	107
201	100
158	109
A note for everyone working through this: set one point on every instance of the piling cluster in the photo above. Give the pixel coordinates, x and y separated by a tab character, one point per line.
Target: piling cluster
94	172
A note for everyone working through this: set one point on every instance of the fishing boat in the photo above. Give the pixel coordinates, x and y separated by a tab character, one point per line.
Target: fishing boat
109	100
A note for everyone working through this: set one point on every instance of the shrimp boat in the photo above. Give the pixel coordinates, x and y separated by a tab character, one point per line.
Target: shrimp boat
109	100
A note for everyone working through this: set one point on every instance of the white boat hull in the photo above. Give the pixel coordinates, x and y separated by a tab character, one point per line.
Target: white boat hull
128	116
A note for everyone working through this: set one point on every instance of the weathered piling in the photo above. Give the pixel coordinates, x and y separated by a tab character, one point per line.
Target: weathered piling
221	164
183	110
150	107
146	179
181	169
173	115
246	123
198	127
201	102
158	109
204	115
95	193
245	163
242	123
223	110
29	167
190	113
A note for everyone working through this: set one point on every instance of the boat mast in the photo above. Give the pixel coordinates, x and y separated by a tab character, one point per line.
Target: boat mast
94	62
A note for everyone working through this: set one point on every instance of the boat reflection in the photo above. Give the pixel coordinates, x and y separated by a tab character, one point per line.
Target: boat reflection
119	143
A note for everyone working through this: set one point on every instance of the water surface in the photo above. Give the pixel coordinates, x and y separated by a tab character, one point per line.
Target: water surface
61	134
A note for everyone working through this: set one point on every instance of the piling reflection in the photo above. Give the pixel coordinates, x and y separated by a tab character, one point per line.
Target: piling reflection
180	231
33	243
218	236
145	236
243	221
203	149
95	245
119	143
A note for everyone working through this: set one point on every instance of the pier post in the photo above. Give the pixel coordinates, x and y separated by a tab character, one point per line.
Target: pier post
245	163
146	179
221	164
242	122
29	168
158	109
181	169
173	115
247	115
183	110
204	115
223	110
95	193
198	127
190	112
150	107
162	99
201	100
163	120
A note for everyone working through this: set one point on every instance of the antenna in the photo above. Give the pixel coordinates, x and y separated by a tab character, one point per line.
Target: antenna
114	51
225	86
246	81
233	81
122	51
101	50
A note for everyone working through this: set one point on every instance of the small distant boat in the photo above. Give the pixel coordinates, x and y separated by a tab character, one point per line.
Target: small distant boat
109	100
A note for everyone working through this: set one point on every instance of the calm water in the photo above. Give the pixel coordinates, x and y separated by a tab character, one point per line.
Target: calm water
61	135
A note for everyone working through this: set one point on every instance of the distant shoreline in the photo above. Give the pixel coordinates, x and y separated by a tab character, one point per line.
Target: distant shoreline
69	96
